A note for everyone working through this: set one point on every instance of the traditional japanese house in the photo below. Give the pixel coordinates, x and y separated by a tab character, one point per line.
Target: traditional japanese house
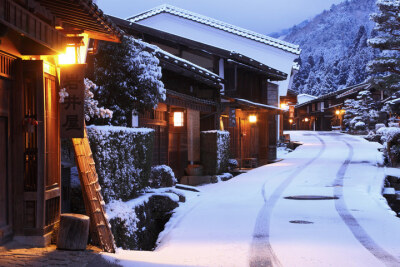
36	36
253	67
326	112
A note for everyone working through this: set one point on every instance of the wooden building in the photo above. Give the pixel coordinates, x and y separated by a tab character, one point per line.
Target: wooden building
326	112
34	38
249	87
287	104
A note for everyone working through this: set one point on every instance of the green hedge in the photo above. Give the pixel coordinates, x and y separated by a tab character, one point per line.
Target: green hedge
123	158
214	151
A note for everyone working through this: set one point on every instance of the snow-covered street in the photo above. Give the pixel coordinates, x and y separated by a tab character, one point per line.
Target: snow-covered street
274	216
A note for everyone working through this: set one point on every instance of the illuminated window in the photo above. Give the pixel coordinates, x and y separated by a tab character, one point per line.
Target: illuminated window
178	118
252	118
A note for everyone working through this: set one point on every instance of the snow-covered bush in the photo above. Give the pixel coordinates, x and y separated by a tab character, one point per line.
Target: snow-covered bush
123	158
162	176
128	76
91	105
221	177
390	136
232	164
214	151
137	223
361	114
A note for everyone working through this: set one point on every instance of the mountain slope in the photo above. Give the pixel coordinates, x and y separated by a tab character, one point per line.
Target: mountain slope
334	47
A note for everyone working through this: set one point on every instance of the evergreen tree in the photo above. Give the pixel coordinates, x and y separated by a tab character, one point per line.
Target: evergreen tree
128	76
386	67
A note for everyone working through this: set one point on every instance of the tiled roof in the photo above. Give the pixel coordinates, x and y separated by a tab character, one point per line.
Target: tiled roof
339	93
218	25
164	55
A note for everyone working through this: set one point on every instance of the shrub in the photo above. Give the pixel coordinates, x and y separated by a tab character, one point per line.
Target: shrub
162	176
137	223
390	136
215	151
123	158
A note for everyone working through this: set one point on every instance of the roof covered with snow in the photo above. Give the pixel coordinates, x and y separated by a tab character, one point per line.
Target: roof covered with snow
338	94
218	25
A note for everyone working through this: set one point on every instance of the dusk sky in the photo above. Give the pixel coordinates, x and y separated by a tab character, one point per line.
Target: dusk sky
263	16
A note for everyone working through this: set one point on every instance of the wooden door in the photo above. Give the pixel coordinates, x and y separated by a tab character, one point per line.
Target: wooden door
3	172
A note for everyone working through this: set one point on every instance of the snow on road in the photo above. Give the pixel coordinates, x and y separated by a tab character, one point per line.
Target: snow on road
247	221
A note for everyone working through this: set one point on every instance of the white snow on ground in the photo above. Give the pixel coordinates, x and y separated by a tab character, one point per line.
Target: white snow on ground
215	227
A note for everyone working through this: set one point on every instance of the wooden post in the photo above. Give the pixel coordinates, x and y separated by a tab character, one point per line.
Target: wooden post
99	227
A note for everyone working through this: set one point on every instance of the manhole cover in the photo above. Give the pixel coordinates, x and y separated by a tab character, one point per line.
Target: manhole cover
310	197
301	222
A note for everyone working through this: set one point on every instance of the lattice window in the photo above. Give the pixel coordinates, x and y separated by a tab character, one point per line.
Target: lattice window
6	66
52	210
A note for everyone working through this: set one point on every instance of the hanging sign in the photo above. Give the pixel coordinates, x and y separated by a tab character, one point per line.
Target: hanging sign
72	116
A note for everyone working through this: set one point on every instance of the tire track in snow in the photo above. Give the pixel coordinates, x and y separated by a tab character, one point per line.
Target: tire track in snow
261	252
359	233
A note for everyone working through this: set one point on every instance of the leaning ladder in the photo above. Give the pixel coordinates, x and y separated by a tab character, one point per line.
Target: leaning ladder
100	229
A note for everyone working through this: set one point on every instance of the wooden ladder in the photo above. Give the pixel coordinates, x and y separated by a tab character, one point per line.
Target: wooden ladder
100	229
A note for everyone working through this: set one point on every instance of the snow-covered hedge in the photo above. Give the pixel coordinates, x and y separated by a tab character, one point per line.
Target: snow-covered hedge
137	223
390	136
123	158
215	151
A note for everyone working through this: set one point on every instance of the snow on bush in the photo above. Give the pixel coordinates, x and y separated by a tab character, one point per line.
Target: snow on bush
136	223
128	75
221	177
232	164
162	176
359	125
123	158
214	151
390	136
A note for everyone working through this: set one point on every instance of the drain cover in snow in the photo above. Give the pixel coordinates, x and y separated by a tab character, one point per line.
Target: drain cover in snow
301	222
308	197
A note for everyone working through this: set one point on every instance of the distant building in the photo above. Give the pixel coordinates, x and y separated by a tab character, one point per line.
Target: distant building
326	112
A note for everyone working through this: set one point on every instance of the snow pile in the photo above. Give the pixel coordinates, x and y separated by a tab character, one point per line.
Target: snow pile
123	158
215	151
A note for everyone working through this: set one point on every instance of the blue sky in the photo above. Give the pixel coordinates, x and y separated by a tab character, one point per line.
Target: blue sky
263	16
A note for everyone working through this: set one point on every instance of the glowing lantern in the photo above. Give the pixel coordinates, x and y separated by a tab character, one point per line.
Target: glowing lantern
337	112
252	118
290	121
306	119
75	52
284	106
178	119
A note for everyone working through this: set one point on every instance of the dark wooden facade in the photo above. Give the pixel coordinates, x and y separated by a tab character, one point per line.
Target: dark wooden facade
31	37
326	112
